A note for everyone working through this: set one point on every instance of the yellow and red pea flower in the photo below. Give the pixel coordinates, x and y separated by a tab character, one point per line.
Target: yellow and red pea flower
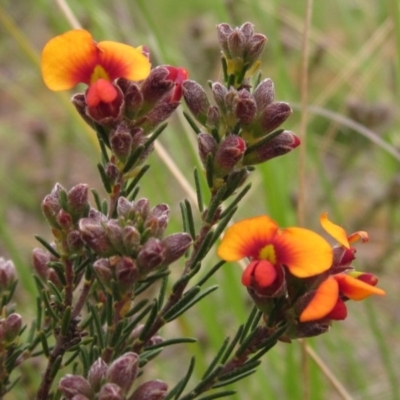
328	299
74	57
303	252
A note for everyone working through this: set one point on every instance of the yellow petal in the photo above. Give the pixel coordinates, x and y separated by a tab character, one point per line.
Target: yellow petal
122	61
323	301
304	252
336	231
246	238
68	59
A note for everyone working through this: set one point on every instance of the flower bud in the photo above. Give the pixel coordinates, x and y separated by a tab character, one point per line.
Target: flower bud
64	220
133	98
94	235
196	100
51	205
310	329
53	277
278	146
151	390
151	255
130	239
123	371
229	153
78	201
126	272
156	86
74	242
111	391
255	47
158	114
264	94
213	117
72	385
124	208
236	44
79	102
219	92
8	274
114	234
121	142
157	220
112	173
207	145
178	76
273	116
223	32
97	373
175	246
12	326
141	207
245	108
103	270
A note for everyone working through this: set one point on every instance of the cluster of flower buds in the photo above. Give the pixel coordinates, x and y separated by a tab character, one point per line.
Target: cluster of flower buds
63	210
294	276
114	381
240	127
133	244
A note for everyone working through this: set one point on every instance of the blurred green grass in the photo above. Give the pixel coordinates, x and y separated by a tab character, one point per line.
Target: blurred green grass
354	71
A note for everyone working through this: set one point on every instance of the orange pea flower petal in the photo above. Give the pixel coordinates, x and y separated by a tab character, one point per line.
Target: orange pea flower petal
323	302
68	59
74	57
355	289
122	61
246	238
336	231
304	252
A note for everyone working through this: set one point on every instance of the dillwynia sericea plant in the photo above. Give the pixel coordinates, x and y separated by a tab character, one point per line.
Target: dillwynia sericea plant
94	335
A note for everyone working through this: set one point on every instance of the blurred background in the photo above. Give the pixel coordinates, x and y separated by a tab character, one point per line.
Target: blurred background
353	163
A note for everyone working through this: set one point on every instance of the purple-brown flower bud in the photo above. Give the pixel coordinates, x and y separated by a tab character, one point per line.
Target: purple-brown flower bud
141	207
175	246
219	92
213	117
264	94
229	153
196	100
94	235
151	255
255	47
124	208
40	258
7	274
114	234
79	102
272	117
126	272
278	146
121	142
133	98
97	373
157	220
130	239
54	278
123	371
207	145
112	173
236	44
78	201
151	390
156	86
158	114
245	108
223	32
72	385
64	220
51	205
74	242
111	391
103	270
12	326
